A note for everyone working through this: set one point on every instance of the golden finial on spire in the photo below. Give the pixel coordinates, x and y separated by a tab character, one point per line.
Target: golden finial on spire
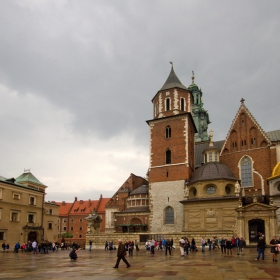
192	77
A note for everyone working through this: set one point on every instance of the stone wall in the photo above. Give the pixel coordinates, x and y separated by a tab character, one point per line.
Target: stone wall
162	195
100	239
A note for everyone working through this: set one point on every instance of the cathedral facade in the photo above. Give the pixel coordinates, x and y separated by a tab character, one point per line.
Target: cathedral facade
197	186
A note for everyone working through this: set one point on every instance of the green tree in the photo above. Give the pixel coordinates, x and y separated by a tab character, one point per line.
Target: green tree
67	235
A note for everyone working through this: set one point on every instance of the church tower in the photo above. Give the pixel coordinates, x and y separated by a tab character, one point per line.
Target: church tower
200	115
172	131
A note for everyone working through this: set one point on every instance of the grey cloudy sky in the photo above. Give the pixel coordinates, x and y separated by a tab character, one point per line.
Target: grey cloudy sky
77	79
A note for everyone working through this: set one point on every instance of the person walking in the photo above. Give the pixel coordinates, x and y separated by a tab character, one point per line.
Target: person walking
152	246
228	247
261	246
182	246
136	245
203	243
223	245
241	246
121	255
273	244
167	247
34	246
187	246
90	245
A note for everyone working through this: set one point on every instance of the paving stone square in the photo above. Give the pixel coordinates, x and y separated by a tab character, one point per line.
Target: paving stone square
98	264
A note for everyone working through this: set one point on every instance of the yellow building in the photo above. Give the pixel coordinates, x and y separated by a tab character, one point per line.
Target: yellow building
22	210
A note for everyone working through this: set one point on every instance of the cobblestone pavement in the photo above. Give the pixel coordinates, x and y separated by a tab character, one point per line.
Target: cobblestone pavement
98	264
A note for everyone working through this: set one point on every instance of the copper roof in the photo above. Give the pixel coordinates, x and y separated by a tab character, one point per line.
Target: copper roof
212	171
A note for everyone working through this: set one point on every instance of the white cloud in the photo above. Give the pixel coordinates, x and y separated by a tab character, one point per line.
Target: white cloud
64	161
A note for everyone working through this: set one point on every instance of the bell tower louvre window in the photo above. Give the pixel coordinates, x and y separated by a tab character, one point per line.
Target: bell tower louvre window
168	132
168	156
182	104
167	104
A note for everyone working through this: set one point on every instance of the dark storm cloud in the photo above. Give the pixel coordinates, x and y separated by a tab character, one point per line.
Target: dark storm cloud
103	61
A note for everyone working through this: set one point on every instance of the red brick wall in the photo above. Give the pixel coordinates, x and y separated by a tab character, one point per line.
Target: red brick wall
177	144
264	159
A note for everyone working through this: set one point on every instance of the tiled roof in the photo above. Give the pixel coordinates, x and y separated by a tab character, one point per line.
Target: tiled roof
172	82
64	208
102	204
83	207
273	135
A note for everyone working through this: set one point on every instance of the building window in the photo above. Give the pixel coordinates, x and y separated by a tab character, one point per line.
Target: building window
168	156
156	110
16	196
81	220
246	172
168	132
64	228
80	236
216	156
64	220
210	157
72	221
72	228
182	104
2	235
31	218
50	226
32	200
169	215
81	228
167	104
14	216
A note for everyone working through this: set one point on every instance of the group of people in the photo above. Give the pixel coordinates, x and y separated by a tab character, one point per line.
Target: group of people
42	247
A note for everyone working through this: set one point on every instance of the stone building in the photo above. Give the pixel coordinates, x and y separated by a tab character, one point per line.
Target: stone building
51	221
198	186
23	213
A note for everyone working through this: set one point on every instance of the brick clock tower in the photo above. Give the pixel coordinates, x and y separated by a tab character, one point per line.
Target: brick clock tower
172	131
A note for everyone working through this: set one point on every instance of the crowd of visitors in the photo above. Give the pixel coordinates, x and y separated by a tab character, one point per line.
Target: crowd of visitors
43	247
227	247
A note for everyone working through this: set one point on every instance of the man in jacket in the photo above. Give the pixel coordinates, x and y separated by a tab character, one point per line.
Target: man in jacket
261	246
241	245
121	255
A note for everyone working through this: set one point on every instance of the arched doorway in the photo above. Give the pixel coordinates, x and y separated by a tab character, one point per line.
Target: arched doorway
255	226
32	236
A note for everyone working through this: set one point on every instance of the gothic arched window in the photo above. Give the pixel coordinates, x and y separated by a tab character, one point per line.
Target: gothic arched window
167	156
246	172
169	215
168	132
